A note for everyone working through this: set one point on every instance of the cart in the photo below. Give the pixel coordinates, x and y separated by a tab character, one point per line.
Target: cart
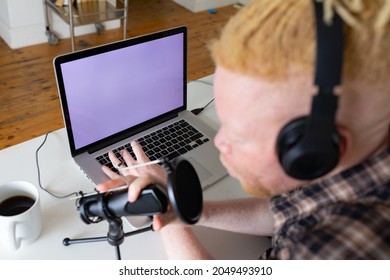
78	13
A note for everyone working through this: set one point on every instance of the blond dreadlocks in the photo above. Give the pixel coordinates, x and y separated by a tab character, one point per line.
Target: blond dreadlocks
272	38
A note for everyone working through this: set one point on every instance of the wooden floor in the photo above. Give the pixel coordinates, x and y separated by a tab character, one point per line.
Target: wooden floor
29	104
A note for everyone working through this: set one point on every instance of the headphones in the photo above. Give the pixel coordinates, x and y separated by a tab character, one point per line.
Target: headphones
309	147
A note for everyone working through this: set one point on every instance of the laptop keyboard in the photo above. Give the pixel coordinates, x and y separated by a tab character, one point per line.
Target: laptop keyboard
169	142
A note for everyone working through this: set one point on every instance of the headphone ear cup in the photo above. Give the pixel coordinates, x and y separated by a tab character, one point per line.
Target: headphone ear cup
287	139
304	157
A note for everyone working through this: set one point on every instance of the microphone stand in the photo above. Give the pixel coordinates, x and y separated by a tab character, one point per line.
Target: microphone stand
112	205
115	235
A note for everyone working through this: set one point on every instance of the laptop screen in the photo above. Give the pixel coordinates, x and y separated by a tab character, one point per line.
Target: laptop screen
112	90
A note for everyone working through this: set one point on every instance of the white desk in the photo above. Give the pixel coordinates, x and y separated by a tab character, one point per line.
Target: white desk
61	219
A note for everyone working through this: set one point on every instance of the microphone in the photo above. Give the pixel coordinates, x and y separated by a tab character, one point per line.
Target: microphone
106	206
184	195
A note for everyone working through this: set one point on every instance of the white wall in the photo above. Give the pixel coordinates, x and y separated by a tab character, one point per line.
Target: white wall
243	1
21	19
203	5
22	23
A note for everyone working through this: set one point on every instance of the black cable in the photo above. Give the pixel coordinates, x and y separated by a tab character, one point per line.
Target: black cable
201	81
196	111
39	173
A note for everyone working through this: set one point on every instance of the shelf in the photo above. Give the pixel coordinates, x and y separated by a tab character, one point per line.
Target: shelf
83	13
88	12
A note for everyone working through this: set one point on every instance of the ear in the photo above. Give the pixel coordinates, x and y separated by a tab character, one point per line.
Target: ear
345	140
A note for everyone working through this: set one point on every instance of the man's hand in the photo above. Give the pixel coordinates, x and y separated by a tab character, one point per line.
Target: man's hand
138	179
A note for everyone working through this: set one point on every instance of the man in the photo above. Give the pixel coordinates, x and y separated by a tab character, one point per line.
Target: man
264	79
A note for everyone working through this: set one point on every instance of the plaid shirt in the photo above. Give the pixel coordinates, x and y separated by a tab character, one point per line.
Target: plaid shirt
344	217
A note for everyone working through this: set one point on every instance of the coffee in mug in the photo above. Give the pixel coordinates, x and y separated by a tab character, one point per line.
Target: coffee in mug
20	214
16	205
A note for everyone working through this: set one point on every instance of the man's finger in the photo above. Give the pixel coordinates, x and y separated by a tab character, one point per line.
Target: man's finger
117	182
139	153
138	185
110	173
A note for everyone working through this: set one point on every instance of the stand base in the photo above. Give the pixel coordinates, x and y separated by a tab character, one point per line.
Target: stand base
108	238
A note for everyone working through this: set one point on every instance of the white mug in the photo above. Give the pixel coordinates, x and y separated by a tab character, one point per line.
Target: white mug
20	214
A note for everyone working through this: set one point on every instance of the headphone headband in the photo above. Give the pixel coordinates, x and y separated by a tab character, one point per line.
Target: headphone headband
308	147
329	52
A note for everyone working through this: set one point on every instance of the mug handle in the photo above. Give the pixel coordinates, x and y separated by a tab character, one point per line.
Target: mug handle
12	241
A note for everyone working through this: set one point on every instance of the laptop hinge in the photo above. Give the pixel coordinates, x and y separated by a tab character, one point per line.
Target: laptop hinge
126	134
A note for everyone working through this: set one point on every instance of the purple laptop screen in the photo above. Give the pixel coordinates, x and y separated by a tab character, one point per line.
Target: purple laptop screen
113	91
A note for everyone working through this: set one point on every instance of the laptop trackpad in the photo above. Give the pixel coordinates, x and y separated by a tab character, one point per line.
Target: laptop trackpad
202	172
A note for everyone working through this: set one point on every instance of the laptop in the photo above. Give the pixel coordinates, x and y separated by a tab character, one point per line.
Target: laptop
135	89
